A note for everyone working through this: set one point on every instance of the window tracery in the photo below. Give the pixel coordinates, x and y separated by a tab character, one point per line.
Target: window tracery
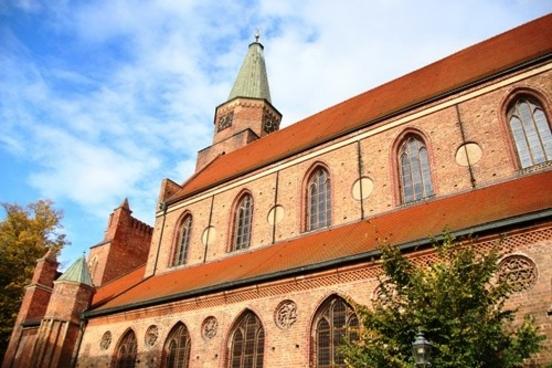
243	218
125	356
414	170
531	131
177	348
183	243
335	321
247	343
319	208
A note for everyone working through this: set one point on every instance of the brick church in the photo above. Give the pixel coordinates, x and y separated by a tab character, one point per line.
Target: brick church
251	262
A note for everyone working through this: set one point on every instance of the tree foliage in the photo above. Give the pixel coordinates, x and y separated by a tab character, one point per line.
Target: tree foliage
26	234
457	302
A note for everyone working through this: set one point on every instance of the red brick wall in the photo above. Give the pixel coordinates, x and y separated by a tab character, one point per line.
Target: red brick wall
482	121
291	347
126	246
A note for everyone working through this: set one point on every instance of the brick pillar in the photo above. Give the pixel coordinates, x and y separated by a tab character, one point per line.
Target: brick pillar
59	330
32	310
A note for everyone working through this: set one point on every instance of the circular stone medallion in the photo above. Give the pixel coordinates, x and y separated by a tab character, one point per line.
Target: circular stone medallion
106	340
151	335
285	314
366	184
209	327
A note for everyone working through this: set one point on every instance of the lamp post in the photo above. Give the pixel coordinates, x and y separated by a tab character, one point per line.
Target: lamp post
421	349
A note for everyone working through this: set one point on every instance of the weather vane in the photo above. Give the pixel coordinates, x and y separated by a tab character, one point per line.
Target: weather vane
257	35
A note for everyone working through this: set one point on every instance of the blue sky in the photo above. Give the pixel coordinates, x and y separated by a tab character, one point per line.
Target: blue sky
100	100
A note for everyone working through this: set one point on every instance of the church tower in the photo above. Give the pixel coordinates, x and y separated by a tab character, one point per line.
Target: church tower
248	113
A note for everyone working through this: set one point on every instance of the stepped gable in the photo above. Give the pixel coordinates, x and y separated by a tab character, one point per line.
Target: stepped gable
502	201
499	53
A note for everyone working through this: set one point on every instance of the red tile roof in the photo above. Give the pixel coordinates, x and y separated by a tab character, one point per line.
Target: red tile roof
419	221
484	59
119	285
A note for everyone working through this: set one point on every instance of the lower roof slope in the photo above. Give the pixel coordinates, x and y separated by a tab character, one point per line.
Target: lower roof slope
418	221
475	63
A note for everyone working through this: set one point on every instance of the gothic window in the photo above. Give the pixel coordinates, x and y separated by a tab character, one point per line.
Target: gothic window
176	352
183	241
125	355
243	217
319	207
334	323
531	131
414	170
247	343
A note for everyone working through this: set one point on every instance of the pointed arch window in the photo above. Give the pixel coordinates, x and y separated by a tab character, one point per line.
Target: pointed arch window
176	352
183	241
243	218
531	131
319	208
335	322
247	343
415	173
125	356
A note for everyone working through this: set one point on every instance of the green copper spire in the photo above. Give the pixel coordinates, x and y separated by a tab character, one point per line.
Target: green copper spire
252	80
77	272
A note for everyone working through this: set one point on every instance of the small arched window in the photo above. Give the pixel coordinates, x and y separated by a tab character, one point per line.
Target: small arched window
531	131
319	200
335	322
176	352
125	355
183	241
243	217
414	170
247	343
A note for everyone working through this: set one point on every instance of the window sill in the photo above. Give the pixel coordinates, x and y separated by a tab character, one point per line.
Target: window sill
534	168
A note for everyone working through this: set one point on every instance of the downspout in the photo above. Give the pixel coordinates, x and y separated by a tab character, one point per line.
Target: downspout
208	230
275	204
463	134
359	159
160	238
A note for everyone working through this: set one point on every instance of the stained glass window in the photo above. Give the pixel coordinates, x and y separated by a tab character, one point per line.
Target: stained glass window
242	222
319	208
247	345
531	131
125	356
177	348
415	173
181	249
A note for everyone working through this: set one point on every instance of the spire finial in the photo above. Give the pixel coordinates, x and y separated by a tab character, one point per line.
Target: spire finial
257	35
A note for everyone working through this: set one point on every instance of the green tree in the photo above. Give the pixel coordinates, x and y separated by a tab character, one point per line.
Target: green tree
26	234
457	302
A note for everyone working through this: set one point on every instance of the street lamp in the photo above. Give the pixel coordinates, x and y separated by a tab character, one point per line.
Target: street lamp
421	349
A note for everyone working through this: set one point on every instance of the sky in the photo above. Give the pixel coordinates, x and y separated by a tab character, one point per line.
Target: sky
101	100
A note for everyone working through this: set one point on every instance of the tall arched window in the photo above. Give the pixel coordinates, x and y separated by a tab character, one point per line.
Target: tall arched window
247	343
183	241
531	131
125	355
319	199
243	217
335	321
415	173
176	352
